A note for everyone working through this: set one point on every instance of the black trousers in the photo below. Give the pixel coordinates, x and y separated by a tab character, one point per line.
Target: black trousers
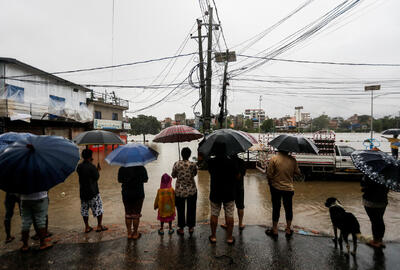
276	197
395	153
190	219
376	217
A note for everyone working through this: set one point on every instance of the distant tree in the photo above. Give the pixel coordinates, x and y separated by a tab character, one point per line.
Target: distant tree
364	119
248	125
344	125
144	124
321	122
167	124
267	125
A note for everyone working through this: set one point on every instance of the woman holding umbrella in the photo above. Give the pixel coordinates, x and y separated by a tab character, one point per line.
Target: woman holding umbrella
132	175
185	191
375	201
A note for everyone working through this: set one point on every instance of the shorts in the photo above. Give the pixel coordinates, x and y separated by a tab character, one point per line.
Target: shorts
133	208
229	208
34	210
95	204
239	198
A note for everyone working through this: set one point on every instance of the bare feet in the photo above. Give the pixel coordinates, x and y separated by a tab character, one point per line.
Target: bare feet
136	236
9	239
101	228
88	229
45	245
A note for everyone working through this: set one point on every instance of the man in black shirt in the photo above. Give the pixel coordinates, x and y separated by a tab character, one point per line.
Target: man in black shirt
89	191
223	177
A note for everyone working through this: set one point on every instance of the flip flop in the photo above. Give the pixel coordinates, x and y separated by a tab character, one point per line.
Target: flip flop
90	229
271	233
180	232
191	231
161	232
136	238
24	249
212	241
288	235
171	231
223	226
8	240
242	227
103	228
231	242
47	246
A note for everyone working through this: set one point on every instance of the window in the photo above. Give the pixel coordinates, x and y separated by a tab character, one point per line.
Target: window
15	93
114	116
346	150
97	115
56	106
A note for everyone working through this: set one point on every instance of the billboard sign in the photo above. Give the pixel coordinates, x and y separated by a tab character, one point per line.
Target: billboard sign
106	124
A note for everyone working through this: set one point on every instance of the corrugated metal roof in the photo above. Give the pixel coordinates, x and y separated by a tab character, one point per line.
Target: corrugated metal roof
37	71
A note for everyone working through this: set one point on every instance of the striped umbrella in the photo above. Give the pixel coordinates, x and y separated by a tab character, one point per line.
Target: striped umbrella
178	133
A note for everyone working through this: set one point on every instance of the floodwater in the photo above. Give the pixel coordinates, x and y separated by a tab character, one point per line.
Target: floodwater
309	209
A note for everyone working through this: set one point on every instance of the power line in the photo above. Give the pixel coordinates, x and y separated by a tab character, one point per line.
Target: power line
105	67
321	62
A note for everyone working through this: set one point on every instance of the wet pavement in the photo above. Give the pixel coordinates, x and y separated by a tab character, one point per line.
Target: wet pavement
252	250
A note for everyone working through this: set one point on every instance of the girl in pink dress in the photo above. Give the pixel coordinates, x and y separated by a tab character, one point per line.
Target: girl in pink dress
165	203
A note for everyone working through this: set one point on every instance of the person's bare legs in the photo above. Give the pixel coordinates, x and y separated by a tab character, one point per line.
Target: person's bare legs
288	226
170	225
100	226
229	229
275	227
87	227
135	223
213	225
128	223
240	216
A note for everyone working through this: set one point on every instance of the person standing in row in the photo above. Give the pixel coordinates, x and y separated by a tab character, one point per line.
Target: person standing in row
165	203
223	178
89	191
239	194
185	191
375	200
34	207
282	169
132	180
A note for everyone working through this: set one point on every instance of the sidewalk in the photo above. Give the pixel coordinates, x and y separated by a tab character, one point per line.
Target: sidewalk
252	250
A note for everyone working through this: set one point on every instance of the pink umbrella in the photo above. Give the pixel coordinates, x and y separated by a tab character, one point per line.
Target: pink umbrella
249	137
178	133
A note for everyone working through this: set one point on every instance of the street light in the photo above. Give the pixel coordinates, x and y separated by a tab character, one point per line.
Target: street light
372	88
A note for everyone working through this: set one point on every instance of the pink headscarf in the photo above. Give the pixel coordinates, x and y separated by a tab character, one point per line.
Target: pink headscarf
166	181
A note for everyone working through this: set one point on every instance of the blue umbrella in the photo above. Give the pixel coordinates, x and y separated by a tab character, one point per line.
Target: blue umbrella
132	154
10	137
37	163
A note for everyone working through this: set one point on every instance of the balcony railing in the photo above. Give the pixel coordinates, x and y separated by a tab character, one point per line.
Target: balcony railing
108	98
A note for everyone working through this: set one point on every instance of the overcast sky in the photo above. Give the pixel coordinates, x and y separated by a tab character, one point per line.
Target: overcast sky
63	35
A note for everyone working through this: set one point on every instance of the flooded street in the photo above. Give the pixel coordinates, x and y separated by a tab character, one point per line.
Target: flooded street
309	209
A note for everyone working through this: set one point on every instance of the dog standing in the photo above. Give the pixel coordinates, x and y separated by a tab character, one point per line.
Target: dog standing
346	222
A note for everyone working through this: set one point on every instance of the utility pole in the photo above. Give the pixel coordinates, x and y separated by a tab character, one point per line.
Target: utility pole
201	68
223	110
207	117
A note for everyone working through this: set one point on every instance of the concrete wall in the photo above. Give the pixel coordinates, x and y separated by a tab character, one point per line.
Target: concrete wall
106	112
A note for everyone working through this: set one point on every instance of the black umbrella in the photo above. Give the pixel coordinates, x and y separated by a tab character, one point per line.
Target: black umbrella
296	144
97	137
379	167
234	141
391	131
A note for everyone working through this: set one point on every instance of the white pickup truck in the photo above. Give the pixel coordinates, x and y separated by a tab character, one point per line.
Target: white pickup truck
338	163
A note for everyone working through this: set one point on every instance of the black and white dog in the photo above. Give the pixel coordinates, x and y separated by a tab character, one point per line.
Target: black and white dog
346	222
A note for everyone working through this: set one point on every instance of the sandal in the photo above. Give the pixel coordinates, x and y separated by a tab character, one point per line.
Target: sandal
212	241
89	230
103	228
24	249
47	246
223	226
161	231
180	231
231	242
241	228
191	231
171	231
10	239
290	234
271	233
136	238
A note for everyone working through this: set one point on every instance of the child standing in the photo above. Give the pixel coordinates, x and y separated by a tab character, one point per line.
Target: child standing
165	203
